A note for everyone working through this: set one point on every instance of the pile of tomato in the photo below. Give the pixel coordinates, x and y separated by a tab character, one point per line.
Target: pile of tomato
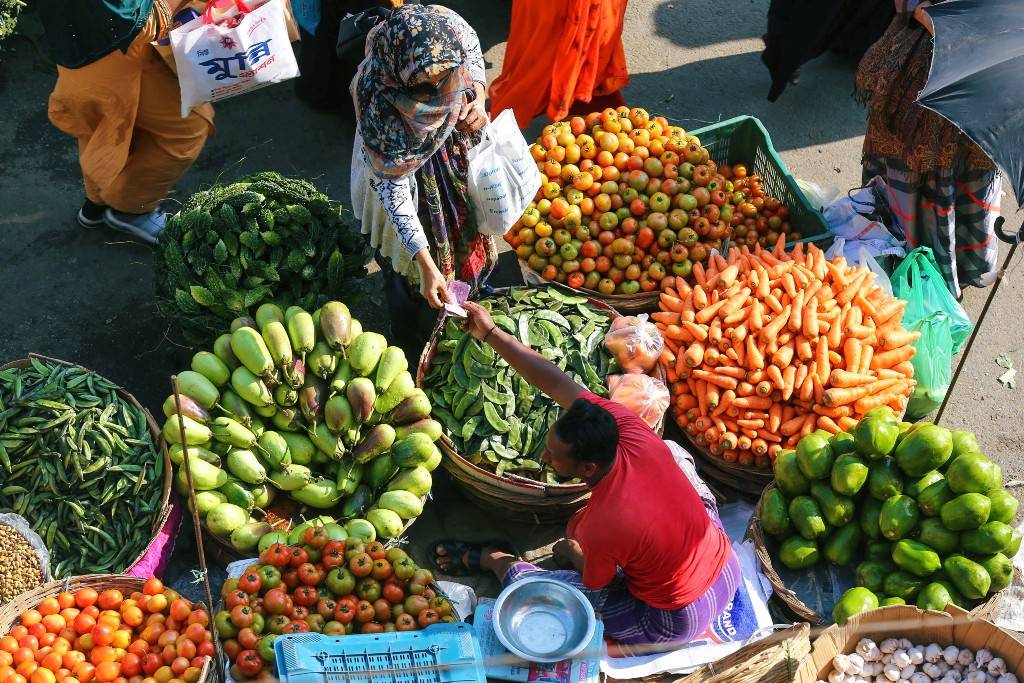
89	636
326	585
628	202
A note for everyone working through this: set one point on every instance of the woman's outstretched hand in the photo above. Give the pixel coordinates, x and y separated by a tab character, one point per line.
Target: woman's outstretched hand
472	116
433	285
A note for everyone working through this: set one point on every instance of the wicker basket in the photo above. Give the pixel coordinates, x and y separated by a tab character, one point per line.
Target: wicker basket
10	613
513	497
626	304
774	659
762	548
165	500
744	479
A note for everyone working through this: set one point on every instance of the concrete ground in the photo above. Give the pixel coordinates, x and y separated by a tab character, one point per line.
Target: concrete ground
87	296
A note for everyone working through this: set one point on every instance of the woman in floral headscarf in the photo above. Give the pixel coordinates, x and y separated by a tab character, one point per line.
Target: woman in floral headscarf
419	100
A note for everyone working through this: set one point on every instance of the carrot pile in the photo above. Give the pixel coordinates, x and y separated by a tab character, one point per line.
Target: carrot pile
768	346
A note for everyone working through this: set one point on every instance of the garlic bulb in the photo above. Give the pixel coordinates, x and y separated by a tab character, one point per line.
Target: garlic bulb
933	670
950	654
908	671
916	655
864	645
1007	678
943	667
905	644
965	657
889	645
873	654
997	667
954	675
876	668
920	677
989	678
881	679
933	653
855	664
982	657
976	677
841	663
900	658
836	676
892	672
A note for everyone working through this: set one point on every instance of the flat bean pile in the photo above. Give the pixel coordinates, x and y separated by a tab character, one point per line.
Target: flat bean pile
79	463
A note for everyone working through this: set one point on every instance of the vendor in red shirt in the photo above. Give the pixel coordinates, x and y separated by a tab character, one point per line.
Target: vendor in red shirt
647	551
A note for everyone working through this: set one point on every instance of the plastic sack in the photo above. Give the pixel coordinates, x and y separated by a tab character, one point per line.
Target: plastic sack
646	396
503	177
21	525
862	220
942	322
218	61
635	342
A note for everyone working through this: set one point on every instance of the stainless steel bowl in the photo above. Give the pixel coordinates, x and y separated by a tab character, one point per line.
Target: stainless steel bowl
543	620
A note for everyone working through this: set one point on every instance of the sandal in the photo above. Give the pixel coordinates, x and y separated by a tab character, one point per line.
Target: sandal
464	556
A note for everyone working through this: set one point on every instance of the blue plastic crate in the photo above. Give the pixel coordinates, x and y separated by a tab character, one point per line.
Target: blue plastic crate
442	653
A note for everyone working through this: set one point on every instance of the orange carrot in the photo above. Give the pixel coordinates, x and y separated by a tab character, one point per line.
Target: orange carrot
700	298
697	332
840	396
803	349
772	329
880	399
888	359
686	401
728	276
773	303
867	353
759	447
725	402
851	354
708	312
694	354
768	435
667	317
889	310
899	337
850	291
755	359
763	388
712	398
744	389
716	379
755	402
775	375
809	421
775	417
711	356
835	413
792	425
756	316
821	359
826	423
699	274
728	371
789	382
847	423
905	368
811	328
796	316
715	331
807	386
798	380
844	378
670	303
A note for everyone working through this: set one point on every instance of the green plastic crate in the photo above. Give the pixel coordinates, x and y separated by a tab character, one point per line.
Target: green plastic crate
745	140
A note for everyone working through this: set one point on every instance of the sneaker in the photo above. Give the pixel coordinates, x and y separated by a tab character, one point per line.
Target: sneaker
145	226
91	215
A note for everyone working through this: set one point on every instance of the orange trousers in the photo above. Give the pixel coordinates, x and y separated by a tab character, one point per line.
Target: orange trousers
125	111
560	53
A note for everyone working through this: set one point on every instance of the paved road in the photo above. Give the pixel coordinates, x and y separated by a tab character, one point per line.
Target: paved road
87	295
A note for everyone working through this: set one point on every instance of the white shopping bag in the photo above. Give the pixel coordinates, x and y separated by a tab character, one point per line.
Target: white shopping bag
503	177
217	61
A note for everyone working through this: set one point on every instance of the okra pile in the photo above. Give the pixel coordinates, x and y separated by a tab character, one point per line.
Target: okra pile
493	417
79	463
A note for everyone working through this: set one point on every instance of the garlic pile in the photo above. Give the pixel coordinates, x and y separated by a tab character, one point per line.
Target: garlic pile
898	659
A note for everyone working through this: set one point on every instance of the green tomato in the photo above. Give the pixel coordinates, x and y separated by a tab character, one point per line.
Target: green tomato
225	629
265	648
270	577
258	623
341	581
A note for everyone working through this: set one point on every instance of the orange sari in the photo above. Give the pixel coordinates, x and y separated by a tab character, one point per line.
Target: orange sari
560	53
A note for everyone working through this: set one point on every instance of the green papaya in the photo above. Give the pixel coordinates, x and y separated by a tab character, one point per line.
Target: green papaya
243	464
275	449
927	448
934	596
879	551
361	396
211	367
838	510
348	476
251	388
807	518
989	538
1014	545
433	460
870	511
338	414
365	351
775	513
197	387
392	362
1003	506
415	480
999	568
263	495
326	442
321	493
386	523
791	481
853	601
290	477
379	471
336	324
415	407
248	346
915	487
222	349
969	577
268	313
403	503
933	533
849	474
814	456
973	473
964	442
899	517
934	496
225	518
376	442
891	601
361	528
205	477
875	435
842	443
177	454
195	433
342	375
400	389
954	594
967	511
357	502
431	428
843	544
885	479
915	557
871	574
207	500
797	552
903	585
415	449
300	447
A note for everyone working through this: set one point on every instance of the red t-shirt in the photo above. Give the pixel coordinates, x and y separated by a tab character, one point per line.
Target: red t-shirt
645	517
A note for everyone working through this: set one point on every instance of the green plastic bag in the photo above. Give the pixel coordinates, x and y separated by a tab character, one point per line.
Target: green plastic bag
942	322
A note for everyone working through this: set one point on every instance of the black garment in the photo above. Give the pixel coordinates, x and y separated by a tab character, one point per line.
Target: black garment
412	318
800	30
79	32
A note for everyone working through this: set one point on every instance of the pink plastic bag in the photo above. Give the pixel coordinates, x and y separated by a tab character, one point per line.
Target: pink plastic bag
636	343
158	554
646	396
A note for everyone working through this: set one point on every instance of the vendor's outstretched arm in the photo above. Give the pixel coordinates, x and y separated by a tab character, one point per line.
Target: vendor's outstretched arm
535	368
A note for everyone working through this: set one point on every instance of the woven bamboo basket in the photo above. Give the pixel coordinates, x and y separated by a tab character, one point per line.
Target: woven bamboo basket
11	612
764	546
513	497
154	429
626	304
774	659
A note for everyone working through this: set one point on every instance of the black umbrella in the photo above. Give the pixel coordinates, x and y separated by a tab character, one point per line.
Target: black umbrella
977	77
977	82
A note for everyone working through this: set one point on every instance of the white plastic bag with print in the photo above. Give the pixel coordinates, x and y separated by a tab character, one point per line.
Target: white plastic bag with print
216	61
635	342
503	177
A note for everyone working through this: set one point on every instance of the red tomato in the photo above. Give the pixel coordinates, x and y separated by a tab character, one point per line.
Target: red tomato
375	549
361	565
297	557
365	612
276	601
249	662
315	537
309	574
236	598
306	596
296	626
249	582
427	617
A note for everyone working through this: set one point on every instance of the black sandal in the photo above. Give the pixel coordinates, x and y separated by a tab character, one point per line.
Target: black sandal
464	556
